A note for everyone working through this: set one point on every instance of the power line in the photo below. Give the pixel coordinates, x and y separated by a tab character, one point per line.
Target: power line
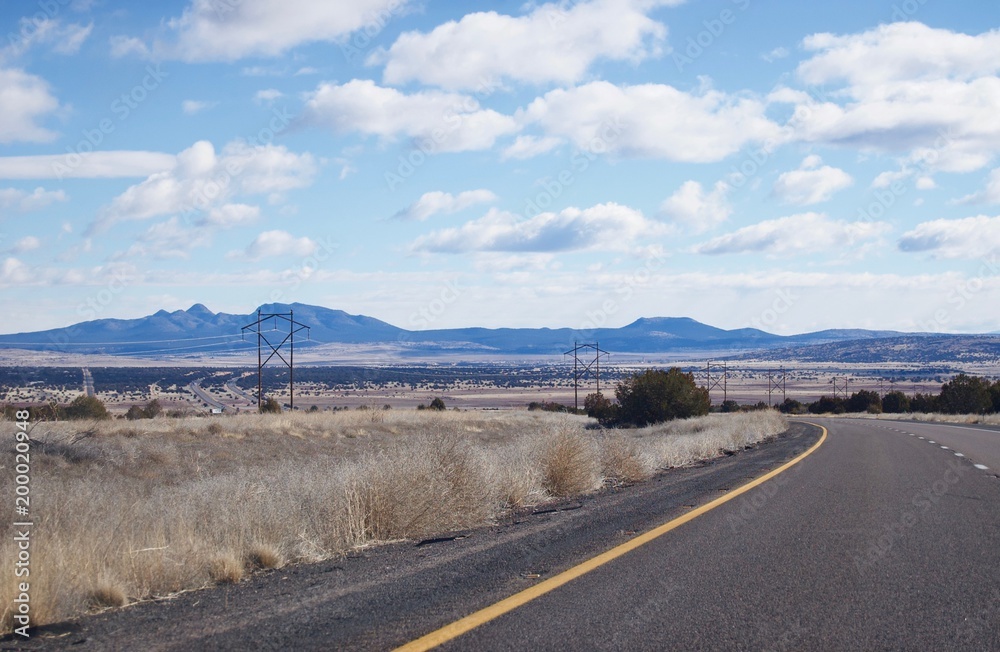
293	328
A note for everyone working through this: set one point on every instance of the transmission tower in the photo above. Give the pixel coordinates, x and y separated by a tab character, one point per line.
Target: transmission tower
837	390
722	382
262	339
582	368
775	383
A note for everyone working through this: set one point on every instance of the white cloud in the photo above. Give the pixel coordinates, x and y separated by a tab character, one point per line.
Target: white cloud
970	237
775	54
988	195
27	243
653	120
485	47
267	95
436	202
228	216
811	183
123	46
24	100
64	39
442	122
23	202
169	239
226	31
92	165
530	146
795	234
271	244
203	179
602	227
907	88
696	209
191	107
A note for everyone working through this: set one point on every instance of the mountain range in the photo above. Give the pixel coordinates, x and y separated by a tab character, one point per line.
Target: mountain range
198	330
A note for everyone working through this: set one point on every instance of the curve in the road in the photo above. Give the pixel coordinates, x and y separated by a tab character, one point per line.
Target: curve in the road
472	621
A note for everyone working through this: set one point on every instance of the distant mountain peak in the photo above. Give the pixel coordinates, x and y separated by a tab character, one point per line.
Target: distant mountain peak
200	310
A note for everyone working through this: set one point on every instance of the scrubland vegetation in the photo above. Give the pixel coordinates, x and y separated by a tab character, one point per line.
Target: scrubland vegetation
134	510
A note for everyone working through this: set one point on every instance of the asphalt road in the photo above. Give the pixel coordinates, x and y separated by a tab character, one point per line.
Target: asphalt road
877	540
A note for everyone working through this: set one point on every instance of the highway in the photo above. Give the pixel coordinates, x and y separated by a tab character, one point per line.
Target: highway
205	397
88	383
876	539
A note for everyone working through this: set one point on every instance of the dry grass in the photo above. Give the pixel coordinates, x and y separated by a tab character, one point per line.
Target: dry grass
932	417
127	511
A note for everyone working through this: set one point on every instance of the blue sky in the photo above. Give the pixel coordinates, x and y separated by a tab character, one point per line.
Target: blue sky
784	165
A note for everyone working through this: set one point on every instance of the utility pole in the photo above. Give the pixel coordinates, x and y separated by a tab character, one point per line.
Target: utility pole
581	369
293	328
718	382
775	383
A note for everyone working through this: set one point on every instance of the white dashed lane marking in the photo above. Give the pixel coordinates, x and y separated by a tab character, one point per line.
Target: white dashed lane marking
981	467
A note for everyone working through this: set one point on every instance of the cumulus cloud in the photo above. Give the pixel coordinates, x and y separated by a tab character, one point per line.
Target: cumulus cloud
988	195
442	122
27	243
653	120
812	183
191	107
795	234
87	165
22	201
226	31
697	209
970	237
488	47
267	95
25	100
272	244
169	239
437	202
36	30
904	88
203	179
528	146
602	227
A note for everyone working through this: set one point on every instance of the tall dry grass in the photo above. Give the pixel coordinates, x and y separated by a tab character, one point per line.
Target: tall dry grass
127	511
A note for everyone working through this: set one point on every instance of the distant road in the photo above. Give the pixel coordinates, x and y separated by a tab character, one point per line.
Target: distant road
877	540
195	386
88	383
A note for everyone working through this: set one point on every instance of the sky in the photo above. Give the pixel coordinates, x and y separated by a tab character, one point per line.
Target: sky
782	165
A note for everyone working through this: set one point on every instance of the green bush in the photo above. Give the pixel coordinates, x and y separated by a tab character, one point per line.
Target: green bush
655	396
86	407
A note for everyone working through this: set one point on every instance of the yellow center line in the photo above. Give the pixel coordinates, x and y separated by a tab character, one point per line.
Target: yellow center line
470	622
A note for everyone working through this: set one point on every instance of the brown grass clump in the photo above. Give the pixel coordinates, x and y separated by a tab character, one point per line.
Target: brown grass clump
134	515
569	463
107	595
262	555
226	569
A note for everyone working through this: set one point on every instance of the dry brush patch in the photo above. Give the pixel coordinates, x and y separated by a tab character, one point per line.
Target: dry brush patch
133	511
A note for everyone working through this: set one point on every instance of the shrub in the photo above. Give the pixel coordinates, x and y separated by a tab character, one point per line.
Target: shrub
270	406
966	395
600	408
87	407
827	405
865	401
437	404
655	396
895	402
